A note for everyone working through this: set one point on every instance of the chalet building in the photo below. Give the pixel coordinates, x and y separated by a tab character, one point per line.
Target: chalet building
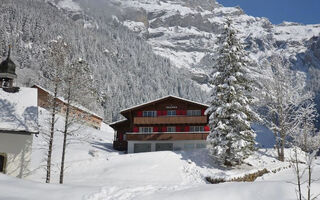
168	123
18	122
80	112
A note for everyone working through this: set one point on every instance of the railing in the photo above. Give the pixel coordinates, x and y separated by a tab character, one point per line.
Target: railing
167	136
171	120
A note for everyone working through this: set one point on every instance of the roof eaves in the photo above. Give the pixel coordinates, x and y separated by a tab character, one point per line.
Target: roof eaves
137	106
116	122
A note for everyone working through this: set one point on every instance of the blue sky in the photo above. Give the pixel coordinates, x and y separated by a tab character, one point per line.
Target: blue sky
302	11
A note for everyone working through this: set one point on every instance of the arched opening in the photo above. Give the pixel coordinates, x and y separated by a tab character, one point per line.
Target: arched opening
3	161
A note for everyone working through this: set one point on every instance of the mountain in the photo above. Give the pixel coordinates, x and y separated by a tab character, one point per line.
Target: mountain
143	49
125	69
186	31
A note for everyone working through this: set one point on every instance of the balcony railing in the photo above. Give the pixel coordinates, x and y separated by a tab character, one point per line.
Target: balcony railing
167	136
171	120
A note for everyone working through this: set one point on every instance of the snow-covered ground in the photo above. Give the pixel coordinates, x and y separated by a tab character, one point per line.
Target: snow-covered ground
96	172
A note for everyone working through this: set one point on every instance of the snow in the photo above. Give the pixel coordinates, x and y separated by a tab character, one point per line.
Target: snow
296	32
156	6
69	5
134	26
86	143
19	111
97	172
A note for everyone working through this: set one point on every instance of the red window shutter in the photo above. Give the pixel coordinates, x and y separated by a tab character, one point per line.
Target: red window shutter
139	114
187	128
184	112
165	113
159	112
136	129
206	128
155	129
178	129
178	112
202	111
164	129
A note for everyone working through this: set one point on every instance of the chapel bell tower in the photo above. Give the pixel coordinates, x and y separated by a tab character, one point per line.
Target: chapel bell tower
7	72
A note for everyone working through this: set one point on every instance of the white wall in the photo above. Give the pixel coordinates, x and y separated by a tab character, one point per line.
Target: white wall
177	144
18	149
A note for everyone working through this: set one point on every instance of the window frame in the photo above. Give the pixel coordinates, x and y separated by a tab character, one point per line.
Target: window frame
193	112
143	128
172	113
171	127
196	129
149	113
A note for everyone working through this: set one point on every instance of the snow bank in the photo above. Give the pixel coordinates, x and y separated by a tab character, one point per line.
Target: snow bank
17	189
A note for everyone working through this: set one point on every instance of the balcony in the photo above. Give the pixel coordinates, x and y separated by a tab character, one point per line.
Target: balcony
171	120
167	136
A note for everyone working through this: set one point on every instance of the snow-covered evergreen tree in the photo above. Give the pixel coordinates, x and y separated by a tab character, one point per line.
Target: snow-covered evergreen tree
231	138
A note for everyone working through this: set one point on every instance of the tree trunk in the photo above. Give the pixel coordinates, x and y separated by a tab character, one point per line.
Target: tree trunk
309	180
65	133
298	174
53	116
281	155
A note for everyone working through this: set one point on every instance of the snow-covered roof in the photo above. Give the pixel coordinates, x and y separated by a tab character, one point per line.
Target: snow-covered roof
169	96
116	122
19	111
73	104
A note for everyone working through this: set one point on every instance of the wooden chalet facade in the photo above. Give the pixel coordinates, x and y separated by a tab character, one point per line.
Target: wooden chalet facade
168	123
81	113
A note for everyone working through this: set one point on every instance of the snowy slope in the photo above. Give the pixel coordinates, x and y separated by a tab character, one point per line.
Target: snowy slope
157	175
85	143
96	172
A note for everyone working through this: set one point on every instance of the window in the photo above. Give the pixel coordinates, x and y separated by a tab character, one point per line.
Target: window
3	160
194	112
196	128
171	129
188	146
172	113
149	113
141	147
145	129
201	145
164	146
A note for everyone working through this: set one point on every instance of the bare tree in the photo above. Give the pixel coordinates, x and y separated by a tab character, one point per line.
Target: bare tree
282	98
300	172
78	84
53	72
307	139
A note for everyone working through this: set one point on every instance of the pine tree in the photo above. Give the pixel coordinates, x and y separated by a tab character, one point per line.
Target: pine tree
231	139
